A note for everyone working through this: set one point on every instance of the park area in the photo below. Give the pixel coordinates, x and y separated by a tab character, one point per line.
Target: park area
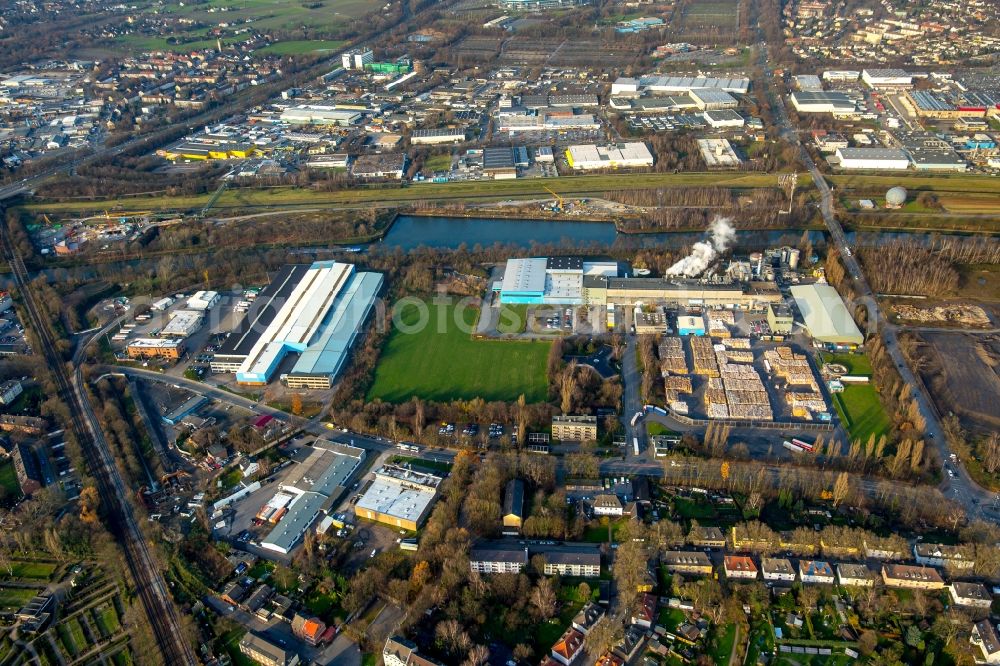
441	361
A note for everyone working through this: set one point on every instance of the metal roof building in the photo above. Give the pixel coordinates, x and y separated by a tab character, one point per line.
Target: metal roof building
524	280
319	319
826	316
316	484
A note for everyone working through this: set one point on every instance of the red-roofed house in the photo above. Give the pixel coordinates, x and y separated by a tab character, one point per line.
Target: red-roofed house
568	647
645	614
740	566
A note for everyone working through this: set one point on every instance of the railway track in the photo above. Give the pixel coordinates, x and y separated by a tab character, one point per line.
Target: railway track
120	515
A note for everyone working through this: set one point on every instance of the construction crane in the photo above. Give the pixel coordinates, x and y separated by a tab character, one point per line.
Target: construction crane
561	203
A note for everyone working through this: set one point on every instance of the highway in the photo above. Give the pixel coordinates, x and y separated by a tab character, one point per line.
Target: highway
144	568
976	500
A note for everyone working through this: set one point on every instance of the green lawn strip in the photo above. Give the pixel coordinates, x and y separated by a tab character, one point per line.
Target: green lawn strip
693	510
513	319
33	570
107	620
531	187
67	640
8	479
435	359
653	428
300	46
77	632
671	618
862	412
15	597
856	364
936	183
438	163
724	644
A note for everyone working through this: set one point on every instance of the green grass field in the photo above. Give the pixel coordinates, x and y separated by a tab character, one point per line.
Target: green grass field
15	597
34	570
938	183
495	189
328	16
513	319
298	47
8	479
861	412
437	163
440	361
725	639
856	364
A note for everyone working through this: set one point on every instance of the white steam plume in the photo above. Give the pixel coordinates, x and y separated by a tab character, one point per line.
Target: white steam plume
703	253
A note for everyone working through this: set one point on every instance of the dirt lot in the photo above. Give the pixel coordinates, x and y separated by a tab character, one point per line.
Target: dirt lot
961	371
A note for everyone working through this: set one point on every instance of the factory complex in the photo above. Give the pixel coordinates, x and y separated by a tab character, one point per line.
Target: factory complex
315	311
313	486
574	281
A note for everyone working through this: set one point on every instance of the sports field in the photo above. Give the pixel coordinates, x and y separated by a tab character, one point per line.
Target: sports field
530	188
440	361
861	412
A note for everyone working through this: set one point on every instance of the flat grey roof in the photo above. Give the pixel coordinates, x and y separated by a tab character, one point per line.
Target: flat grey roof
525	275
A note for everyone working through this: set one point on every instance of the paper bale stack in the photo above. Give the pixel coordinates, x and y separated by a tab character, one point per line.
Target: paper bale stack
672	358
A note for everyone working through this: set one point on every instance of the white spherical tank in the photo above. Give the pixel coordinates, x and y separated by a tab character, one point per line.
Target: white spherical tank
895	197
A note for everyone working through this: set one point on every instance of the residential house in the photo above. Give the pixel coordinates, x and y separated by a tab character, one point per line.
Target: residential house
984	634
740	566
398	651
568	647
608	659
309	629
941	555
588	616
631	644
264	652
687	562
607	504
233	594
687	633
645	612
973	595
513	507
815	571
777	568
502	559
572	563
911	577
258	598
856	575
706	537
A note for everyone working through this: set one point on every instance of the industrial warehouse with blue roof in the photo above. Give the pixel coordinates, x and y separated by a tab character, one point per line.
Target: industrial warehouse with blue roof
315	311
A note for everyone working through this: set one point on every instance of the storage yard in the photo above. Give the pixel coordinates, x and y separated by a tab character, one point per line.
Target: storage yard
722	375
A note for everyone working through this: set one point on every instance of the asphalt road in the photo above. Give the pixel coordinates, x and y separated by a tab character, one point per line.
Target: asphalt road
976	500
